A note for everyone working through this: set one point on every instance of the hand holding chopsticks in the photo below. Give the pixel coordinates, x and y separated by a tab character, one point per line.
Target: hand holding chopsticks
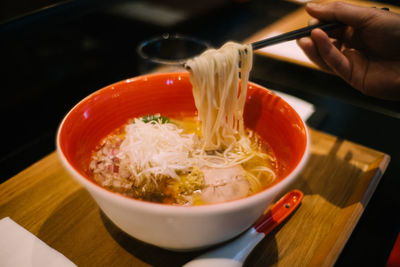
366	54
296	34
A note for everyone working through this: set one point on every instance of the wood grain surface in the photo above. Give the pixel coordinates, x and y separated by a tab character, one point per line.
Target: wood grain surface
296	20
338	181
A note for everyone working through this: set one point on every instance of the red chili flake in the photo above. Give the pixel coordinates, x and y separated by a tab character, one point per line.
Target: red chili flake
116	169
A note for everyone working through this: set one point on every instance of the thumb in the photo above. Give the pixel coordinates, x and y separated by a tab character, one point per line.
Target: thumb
348	14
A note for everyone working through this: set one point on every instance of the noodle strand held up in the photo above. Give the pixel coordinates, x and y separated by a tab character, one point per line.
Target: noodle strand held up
215	77
158	160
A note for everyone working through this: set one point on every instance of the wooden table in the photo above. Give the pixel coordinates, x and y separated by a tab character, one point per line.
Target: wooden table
295	20
338	182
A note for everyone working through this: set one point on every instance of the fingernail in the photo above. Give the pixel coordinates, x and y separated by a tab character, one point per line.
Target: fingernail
300	42
313	21
313	5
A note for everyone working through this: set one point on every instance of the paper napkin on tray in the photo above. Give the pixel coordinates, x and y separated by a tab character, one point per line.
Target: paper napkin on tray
20	248
287	50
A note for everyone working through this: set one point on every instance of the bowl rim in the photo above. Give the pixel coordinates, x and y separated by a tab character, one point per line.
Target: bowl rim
227	206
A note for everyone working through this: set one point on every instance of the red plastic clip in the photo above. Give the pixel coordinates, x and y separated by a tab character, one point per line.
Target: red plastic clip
279	212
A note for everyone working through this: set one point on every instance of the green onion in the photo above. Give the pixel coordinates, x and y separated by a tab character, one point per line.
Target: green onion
154	118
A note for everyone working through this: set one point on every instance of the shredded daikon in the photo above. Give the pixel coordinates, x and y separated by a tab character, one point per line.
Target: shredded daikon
156	160
156	150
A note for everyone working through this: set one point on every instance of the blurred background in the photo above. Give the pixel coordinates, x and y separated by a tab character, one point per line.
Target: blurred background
54	53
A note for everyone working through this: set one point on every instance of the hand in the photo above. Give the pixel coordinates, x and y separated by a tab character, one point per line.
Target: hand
366	53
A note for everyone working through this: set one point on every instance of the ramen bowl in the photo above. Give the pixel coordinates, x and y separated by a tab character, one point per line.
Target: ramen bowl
170	94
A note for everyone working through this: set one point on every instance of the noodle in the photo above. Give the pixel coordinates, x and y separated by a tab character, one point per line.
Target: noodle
157	160
220	104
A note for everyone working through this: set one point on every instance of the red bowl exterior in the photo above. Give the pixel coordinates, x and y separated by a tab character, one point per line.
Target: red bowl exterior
170	94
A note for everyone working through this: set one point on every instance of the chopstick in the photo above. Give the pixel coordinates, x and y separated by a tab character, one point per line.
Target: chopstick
299	33
296	34
292	35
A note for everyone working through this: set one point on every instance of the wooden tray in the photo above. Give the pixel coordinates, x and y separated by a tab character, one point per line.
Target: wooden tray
338	182
289	51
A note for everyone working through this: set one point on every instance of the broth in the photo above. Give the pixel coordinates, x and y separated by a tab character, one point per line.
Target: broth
194	180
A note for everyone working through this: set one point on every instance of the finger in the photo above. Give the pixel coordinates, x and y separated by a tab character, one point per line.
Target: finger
308	47
337	43
331	55
313	21
334	33
348	14
358	70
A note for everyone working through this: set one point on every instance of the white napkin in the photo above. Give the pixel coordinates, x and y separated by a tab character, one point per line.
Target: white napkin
289	49
20	248
303	108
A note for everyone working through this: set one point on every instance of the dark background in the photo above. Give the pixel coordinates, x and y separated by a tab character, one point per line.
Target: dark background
54	53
